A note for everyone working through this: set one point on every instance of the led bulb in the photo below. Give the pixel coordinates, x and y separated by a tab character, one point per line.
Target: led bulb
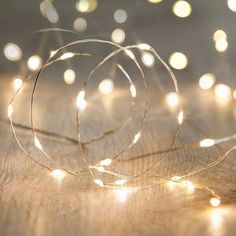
148	59
10	111
180	117
80	101
99	182
66	55
17	82
37	143
106	162
215	201
133	91
58	174
172	99
136	137
207	143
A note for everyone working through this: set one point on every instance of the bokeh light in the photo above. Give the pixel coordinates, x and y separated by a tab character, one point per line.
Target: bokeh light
148	59
178	60
86	6
12	52
172	99
222	91
206	81
221	45
182	9
106	86
154	1
80	24
69	76
118	36
120	16
17	82
34	62
219	34
232	5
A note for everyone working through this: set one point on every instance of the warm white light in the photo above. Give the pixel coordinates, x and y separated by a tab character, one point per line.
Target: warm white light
12	52
58	174
207	142
100	168
80	24
34	62
232	5
178	60
215	201
80	101
219	34
172	99
234	94
106	86
144	46
173	182
99	182
122	194
106	162
120	16
206	81
66	55
130	54
17	82
189	185
222	91
182	9
118	36
10	111
136	137
37	143
69	76
221	45
121	182
52	15
154	1
86	5
133	91
180	117
148	59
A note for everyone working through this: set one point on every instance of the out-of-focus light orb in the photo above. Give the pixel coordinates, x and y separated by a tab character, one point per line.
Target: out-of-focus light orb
52	15
80	100
154	1
148	59
215	202
206	81
99	182
17	82
182	9
234	94
12	52
120	16
69	76
232	5
221	45
86	6
58	174
189	185
222	91
219	34
178	60
118	36
80	24
34	62
172	99
106	162
106	86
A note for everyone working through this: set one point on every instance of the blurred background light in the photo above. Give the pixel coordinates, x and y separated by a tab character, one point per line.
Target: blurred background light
34	62
80	24
118	36
106	86
154	1
182	9
12	52
219	34
178	60
69	76
221	45
86	6
222	91
120	16
232	5
206	81
148	59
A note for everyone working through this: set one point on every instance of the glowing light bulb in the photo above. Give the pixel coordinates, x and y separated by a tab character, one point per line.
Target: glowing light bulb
232	5
180	117
34	62
80	101
121	182
37	143
69	76
178	60
172	99
136	137
58	174
189	185
222	91
148	59
99	182
106	162
10	111
173	182
12	52
215	201
100	168
221	45
66	55
120	16
86	6
130	54
118	36
207	143
133	91
182	9
206	81
219	34
17	82
106	86
52	53
144	46
154	1
80	25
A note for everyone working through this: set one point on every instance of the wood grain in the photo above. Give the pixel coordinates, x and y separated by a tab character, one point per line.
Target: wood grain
33	204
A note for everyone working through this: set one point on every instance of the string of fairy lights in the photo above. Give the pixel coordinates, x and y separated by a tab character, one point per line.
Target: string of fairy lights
149	57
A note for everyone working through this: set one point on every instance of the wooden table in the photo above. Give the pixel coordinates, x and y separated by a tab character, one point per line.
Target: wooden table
32	203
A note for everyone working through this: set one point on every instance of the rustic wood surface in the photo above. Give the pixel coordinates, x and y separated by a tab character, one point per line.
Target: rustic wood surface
33	204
